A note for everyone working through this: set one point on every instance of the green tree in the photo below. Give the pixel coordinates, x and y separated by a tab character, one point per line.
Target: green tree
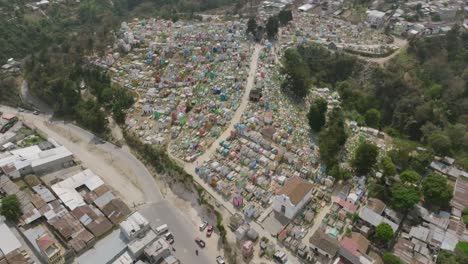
11	208
388	168
384	233
332	139
389	258
446	257
372	118
437	191
365	157
284	16
440	143
465	216
340	173
272	27
409	176
317	114
295	69
404	198
252	25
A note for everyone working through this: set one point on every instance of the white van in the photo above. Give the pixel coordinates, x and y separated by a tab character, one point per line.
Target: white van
162	229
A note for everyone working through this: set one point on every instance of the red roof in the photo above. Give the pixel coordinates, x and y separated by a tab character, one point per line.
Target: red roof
349	207
350	245
45	242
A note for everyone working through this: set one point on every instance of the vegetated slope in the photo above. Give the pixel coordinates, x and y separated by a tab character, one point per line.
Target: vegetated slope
420	95
89	22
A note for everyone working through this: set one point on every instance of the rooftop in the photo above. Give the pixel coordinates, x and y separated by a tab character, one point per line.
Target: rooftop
296	189
8	241
66	189
323	241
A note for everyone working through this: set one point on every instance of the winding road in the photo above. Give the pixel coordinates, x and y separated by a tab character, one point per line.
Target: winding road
127	176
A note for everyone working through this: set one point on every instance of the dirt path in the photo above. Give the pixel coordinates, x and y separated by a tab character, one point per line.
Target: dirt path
190	167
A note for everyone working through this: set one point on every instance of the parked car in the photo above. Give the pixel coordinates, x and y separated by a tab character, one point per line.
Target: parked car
36	113
203	225
220	260
209	230
20	110
200	242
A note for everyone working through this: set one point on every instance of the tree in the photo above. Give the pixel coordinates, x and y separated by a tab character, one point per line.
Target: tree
11	208
384	233
284	16
404	198
446	257
317	114
388	168
251	26
440	143
372	118
332	139
340	173
296	71
389	258
437	192
409	176
272	27
365	157
465	216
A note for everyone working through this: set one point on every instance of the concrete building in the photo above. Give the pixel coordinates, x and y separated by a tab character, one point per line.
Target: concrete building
159	252
50	249
376	19
292	197
8	242
323	244
33	159
45	245
134	226
138	245
67	192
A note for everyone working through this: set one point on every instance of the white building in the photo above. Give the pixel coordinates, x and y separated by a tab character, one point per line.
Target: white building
375	18
292	197
67	192
32	159
134	226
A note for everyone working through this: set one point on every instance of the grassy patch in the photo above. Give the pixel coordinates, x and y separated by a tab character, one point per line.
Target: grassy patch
463	247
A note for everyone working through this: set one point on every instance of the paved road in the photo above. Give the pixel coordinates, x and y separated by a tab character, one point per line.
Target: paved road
126	174
190	167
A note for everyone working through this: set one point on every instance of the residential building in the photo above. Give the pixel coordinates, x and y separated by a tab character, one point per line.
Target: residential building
134	226
323	244
8	242
92	219
375	18
159	252
354	249
292	197
50	249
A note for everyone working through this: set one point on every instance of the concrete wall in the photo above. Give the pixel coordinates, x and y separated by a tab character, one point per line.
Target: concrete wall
291	209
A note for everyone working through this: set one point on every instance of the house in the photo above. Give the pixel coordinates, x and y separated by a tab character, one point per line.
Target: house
159	252
323	244
373	219
292	197
8	241
92	219
134	225
32	159
354	249
375	18
50	249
